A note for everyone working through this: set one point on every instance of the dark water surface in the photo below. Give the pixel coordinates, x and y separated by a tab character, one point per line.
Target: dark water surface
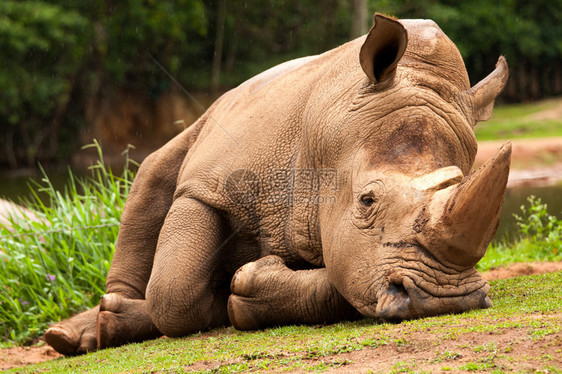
14	186
515	197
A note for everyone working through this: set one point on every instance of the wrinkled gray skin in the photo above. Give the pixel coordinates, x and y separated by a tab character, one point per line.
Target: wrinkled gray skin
325	188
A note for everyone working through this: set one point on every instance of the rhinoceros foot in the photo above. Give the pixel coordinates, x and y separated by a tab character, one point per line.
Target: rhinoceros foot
255	293
268	293
121	320
74	336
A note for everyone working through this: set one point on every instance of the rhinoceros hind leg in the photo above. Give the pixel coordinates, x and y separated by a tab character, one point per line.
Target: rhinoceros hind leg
121	321
267	293
76	335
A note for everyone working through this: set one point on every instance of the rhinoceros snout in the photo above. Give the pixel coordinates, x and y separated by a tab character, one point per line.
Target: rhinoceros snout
402	299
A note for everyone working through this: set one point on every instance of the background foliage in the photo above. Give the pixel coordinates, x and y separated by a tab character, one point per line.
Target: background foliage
61	59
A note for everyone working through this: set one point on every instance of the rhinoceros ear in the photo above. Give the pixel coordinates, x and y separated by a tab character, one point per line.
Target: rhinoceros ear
485	92
383	48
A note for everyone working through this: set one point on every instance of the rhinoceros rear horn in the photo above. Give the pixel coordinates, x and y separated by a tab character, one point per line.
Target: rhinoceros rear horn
383	48
485	92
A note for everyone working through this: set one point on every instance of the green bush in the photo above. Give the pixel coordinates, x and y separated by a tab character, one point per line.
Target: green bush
54	266
540	238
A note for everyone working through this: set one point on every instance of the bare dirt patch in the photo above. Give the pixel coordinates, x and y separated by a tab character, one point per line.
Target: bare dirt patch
517	270
552	113
533	161
22	356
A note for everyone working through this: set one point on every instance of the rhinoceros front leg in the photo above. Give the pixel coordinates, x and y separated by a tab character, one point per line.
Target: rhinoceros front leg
188	286
268	293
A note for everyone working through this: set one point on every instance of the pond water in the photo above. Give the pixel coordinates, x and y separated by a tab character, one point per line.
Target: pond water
14	186
517	196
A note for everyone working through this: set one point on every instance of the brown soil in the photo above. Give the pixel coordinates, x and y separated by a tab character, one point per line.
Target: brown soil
516	270
508	349
553	113
22	356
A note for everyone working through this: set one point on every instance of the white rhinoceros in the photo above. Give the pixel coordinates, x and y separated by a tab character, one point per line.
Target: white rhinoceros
325	188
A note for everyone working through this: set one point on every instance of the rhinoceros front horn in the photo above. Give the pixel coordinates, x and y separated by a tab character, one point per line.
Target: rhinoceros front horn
463	218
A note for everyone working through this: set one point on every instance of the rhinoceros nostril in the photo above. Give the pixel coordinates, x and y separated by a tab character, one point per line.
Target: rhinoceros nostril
394	304
397	289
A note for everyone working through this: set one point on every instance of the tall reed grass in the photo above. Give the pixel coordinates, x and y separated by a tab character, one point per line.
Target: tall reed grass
54	264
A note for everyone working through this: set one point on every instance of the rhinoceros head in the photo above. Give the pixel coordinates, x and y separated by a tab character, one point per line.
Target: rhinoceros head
411	220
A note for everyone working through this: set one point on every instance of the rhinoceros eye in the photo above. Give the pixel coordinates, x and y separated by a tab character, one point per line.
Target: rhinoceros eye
367	200
369	208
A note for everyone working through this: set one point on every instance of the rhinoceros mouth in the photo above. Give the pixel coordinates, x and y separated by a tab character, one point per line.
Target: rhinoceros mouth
418	286
397	302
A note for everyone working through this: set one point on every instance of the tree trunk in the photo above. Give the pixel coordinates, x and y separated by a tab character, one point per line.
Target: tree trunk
557	84
511	90
219	40
9	149
359	18
522	80
534	84
231	56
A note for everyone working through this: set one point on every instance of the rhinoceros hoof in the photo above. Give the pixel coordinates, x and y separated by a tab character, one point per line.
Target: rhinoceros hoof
111	320
122	321
249	306
110	302
252	277
107	326
74	336
240	315
69	342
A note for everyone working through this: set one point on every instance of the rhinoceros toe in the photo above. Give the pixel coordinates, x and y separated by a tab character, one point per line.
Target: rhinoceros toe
250	278
122	321
254	294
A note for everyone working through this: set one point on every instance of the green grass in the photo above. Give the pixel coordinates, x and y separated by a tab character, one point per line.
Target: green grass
516	122
55	266
316	348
